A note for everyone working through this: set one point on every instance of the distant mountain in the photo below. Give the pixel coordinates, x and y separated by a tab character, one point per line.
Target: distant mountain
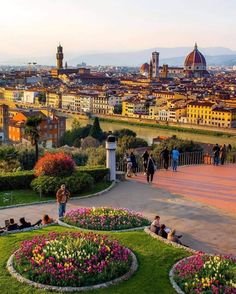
219	56
172	56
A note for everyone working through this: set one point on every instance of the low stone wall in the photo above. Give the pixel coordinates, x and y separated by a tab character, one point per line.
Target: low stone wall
171	277
27	229
153	235
61	223
20	278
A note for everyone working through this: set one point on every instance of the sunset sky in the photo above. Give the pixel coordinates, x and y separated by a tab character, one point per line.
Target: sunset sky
36	27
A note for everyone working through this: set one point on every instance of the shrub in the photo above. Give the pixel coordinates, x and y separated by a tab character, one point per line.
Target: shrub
76	183
16	180
97	172
89	142
55	164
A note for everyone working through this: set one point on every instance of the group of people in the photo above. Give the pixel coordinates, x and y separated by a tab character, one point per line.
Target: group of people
62	197
164	232
149	164
11	225
220	153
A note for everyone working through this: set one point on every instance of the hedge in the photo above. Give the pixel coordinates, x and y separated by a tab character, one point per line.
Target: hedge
97	172
75	183
23	179
16	180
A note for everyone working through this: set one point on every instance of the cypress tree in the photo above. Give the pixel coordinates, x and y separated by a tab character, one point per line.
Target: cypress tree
96	131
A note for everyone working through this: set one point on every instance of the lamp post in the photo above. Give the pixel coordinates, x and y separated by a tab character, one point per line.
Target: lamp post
111	156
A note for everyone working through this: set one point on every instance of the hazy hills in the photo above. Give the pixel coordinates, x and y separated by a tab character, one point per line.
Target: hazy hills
219	56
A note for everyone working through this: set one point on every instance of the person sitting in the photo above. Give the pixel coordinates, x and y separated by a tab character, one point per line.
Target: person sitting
155	225
174	238
12	225
162	232
47	220
25	224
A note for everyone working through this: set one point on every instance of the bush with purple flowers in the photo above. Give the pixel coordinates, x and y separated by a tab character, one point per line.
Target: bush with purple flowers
206	274
105	218
72	259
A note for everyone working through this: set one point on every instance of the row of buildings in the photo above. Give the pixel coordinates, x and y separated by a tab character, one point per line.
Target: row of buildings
159	94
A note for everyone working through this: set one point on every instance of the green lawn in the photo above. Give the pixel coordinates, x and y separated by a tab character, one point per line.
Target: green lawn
28	196
155	260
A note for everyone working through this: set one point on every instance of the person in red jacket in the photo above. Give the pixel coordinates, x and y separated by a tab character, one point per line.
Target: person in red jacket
62	197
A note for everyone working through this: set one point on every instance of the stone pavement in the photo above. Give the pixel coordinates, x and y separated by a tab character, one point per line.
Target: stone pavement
209	184
203	228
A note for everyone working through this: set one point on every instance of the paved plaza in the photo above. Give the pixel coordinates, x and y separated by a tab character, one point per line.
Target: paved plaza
182	201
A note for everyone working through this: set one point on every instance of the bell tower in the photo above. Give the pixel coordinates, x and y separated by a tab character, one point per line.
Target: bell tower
59	57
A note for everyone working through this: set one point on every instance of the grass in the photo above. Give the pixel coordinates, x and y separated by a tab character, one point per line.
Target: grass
29	196
155	260
172	128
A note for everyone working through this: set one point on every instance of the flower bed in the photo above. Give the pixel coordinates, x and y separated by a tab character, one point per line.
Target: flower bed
202	273
72	259
105	218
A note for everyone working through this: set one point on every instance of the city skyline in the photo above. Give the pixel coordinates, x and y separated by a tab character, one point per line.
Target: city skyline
32	28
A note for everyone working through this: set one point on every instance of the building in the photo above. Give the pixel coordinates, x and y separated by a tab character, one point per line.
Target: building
105	104
133	107
53	99
195	64
155	64
29	96
4	120
209	114
59	57
51	128
60	71
12	94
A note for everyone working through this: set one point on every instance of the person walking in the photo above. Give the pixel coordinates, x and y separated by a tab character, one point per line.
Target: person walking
175	158
134	163
145	157
151	168
128	165
62	197
223	154
165	156
216	154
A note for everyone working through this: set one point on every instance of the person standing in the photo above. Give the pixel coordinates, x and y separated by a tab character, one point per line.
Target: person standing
165	156
151	168
62	197
128	165
216	154
145	157
134	163
223	154
175	158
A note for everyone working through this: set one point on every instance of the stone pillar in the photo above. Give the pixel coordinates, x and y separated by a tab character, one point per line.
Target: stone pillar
111	156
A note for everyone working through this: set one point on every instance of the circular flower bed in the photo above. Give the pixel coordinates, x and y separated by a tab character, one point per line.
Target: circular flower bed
207	274
72	259
105	218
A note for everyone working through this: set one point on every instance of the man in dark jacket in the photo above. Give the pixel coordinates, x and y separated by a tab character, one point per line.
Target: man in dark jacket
165	156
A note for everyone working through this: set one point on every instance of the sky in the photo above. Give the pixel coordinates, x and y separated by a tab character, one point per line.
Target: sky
30	27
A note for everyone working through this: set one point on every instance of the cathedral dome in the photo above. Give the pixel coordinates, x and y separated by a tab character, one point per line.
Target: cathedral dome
144	69
195	60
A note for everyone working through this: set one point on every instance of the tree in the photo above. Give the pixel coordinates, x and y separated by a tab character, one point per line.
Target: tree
117	109
42	97
96	131
124	132
32	130
90	142
75	124
129	142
